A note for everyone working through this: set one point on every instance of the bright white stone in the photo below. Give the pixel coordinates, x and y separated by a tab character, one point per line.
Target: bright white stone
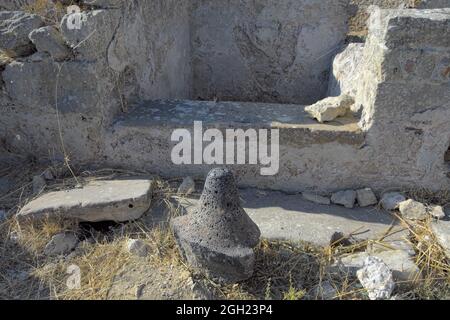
437	212
413	210
376	278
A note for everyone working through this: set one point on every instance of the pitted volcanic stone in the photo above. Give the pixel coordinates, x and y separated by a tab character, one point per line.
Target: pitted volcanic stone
219	236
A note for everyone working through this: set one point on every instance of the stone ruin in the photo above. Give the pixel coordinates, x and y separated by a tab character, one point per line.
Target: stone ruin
111	92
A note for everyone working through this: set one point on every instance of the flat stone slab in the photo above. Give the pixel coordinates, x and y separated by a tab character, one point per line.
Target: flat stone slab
441	230
100	200
280	216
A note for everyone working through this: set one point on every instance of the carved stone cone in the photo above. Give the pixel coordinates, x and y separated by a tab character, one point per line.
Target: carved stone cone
218	238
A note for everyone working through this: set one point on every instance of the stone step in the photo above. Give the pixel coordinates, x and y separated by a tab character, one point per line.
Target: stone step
312	156
98	200
280	216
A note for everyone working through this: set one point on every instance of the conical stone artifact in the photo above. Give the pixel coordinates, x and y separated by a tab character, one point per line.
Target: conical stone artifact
218	238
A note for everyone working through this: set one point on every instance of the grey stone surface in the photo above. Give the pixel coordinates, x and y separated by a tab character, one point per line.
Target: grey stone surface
391	200
15	27
316	198
441	230
92	40
39	184
187	186
61	243
330	108
218	237
142	139
49	40
137	247
11	5
366	197
323	291
413	210
102	200
6	184
433	4
376	278
290	218
267	50
402	78
345	198
346	71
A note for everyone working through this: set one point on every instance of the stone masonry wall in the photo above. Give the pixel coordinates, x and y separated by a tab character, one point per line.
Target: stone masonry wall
63	92
405	94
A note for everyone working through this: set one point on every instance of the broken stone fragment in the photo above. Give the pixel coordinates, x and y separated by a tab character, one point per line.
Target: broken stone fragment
330	108
391	201
102	200
61	243
345	198
316	198
400	262
413	210
49	40
437	212
366	197
376	278
218	238
137	247
15	26
441	230
187	186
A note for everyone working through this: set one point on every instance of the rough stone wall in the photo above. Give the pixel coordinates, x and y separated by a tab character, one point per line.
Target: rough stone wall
153	43
265	50
358	23
124	52
405	94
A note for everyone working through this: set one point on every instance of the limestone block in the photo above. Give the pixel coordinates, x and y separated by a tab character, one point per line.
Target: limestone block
103	200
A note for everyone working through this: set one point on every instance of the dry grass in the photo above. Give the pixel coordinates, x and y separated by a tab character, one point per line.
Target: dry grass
283	270
5	59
